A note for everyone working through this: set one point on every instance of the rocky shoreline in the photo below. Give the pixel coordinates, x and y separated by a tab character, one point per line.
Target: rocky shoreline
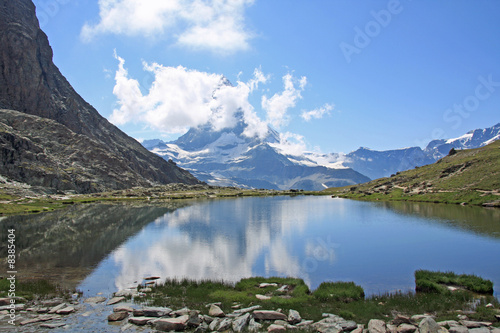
117	314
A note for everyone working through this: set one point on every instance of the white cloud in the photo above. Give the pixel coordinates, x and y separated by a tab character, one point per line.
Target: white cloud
291	144
317	113
278	105
216	25
180	98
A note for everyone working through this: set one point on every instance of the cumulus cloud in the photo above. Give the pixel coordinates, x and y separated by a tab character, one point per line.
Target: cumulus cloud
180	98
278	105
317	113
291	144
216	25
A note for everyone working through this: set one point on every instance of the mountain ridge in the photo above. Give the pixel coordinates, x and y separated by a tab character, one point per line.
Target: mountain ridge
30	83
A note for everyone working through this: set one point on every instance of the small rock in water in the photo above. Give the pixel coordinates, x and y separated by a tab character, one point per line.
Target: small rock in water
117	316
95	300
115	300
52	325
66	310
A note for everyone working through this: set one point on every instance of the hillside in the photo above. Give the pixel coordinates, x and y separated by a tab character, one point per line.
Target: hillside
469	176
33	86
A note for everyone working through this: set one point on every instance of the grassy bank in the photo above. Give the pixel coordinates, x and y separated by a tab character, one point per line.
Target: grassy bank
463	177
11	204
345	299
33	289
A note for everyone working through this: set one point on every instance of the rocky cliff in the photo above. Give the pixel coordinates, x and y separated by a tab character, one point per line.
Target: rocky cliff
31	84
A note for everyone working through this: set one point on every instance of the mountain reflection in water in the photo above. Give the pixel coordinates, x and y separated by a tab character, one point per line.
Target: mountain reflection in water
377	245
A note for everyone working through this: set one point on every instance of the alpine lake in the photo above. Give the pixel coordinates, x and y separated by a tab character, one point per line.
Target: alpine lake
104	248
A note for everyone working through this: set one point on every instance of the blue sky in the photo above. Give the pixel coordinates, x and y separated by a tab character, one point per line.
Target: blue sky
330	75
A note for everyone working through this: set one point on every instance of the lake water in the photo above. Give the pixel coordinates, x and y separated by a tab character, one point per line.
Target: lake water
105	248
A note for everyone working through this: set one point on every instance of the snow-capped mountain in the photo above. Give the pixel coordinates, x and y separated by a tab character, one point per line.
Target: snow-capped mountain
229	158
376	164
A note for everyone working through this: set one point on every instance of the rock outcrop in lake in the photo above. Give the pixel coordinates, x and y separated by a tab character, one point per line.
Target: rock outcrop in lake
49	135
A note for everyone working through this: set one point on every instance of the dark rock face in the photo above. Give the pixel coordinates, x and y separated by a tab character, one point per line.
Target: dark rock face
30	83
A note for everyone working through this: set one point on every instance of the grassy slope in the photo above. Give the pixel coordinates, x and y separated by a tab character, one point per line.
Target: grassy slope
468	176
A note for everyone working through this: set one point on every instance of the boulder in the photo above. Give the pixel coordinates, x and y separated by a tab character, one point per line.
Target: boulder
458	329
52	325
115	300
181	312
156	312
140	321
294	317
215	311
225	325
479	330
241	322
65	311
377	326
57	308
120	308
262	297
273	328
95	300
117	316
4	301
473	324
265	285
245	310
171	324
406	328
254	326
428	325
269	315
400	319
194	319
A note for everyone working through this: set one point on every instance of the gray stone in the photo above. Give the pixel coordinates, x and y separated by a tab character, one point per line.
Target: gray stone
392	328
194	320
265	285
52	302
305	323
225	325
29	321
214	324
120	308
57	308
269	315
254	326
245	310
273	328
171	324
448	323
294	317
4	301
117	316
262	297
140	321
377	326
458	329
479	330
115	300
406	328
418	318
241	322
348	325
497	317
215	311
428	325
494	330
400	319
156	312
359	329
95	300
42	310
181	312
471	324
53	325
65	311
125	293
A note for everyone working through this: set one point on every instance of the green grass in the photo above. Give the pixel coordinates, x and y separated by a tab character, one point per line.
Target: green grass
32	289
468	176
436	282
339	291
342	298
